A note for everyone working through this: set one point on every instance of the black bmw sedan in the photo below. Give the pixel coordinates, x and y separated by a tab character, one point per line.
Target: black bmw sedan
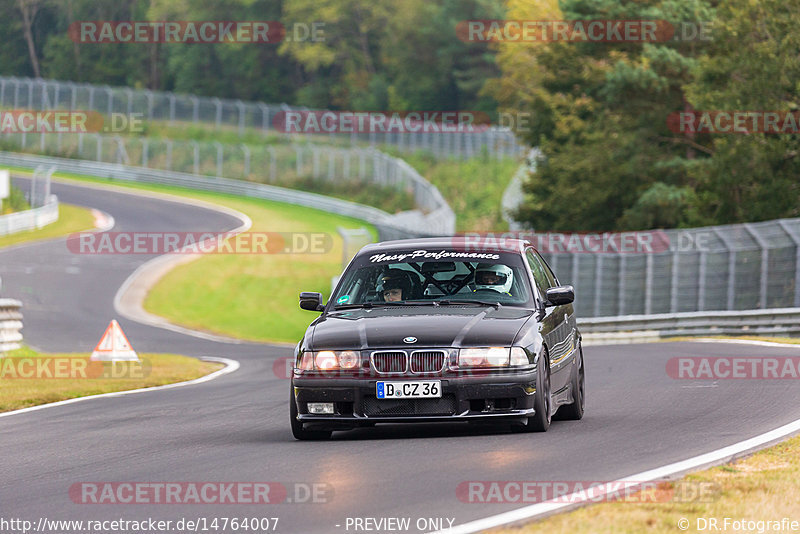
439	329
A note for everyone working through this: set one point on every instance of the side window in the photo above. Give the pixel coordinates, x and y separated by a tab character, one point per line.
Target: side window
551	277
538	270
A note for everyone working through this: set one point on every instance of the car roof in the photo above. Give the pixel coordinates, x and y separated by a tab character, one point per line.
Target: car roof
461	242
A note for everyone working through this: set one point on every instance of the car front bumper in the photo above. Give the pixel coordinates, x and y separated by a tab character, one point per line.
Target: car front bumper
464	398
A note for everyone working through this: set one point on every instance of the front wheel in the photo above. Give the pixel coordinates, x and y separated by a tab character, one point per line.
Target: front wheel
542	403
298	431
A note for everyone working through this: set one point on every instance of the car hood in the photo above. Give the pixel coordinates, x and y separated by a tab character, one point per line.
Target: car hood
445	326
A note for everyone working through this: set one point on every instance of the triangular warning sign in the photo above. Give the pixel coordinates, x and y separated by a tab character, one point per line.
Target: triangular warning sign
114	346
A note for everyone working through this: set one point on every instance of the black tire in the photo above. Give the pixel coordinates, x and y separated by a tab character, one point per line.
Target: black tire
574	411
543	401
298	431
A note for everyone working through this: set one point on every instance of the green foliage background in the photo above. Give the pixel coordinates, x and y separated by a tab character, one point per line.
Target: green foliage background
598	110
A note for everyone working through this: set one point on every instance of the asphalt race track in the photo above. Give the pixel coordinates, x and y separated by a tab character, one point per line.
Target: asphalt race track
236	429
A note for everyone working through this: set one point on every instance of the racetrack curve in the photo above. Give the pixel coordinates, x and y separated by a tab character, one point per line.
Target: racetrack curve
235	428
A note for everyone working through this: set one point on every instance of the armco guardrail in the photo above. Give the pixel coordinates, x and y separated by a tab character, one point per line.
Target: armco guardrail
632	328
30	219
10	325
405	224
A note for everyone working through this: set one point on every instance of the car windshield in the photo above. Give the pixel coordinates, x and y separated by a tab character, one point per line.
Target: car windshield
412	277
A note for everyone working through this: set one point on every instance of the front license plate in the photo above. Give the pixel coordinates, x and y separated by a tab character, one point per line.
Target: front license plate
425	389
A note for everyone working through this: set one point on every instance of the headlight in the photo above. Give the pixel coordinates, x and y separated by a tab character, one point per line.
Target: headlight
492	357
326	360
329	360
349	359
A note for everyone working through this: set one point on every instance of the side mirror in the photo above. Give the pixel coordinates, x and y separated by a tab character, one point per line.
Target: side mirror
311	301
557	296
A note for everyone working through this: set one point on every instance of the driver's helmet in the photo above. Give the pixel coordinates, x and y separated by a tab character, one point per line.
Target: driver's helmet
494	276
395	279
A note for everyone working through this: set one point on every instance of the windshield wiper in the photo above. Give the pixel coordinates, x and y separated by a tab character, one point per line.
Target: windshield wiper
379	304
403	303
352	306
495	305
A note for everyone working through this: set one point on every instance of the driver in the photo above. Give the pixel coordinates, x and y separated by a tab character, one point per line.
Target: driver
394	285
497	277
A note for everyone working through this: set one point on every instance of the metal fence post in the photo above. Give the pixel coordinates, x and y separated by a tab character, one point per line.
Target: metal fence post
648	284
701	282
240	105
673	286
169	154
273	164
598	278
298	160
731	267
145	147
246	152
129	107
171	98
762	297
149	96
331	164
264	116
796	240
195	109
621	288
219	158
110	96
315	162
196	154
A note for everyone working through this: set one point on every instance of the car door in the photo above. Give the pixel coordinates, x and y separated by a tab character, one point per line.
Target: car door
556	329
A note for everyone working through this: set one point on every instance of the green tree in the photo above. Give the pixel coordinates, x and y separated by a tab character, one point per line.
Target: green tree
753	64
599	114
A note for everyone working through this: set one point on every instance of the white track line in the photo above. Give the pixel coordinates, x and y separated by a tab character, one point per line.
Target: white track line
567	502
129	298
230	366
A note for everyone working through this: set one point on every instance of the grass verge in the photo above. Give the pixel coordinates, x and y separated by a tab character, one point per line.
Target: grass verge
58	377
254	296
71	219
473	188
248	296
760	487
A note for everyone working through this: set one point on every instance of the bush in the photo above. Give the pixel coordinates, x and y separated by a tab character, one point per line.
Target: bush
15	202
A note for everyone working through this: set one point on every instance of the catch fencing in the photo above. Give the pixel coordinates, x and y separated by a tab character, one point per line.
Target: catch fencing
281	164
390	226
729	267
236	115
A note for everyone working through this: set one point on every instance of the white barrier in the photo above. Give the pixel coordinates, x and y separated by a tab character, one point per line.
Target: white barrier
30	219
10	325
